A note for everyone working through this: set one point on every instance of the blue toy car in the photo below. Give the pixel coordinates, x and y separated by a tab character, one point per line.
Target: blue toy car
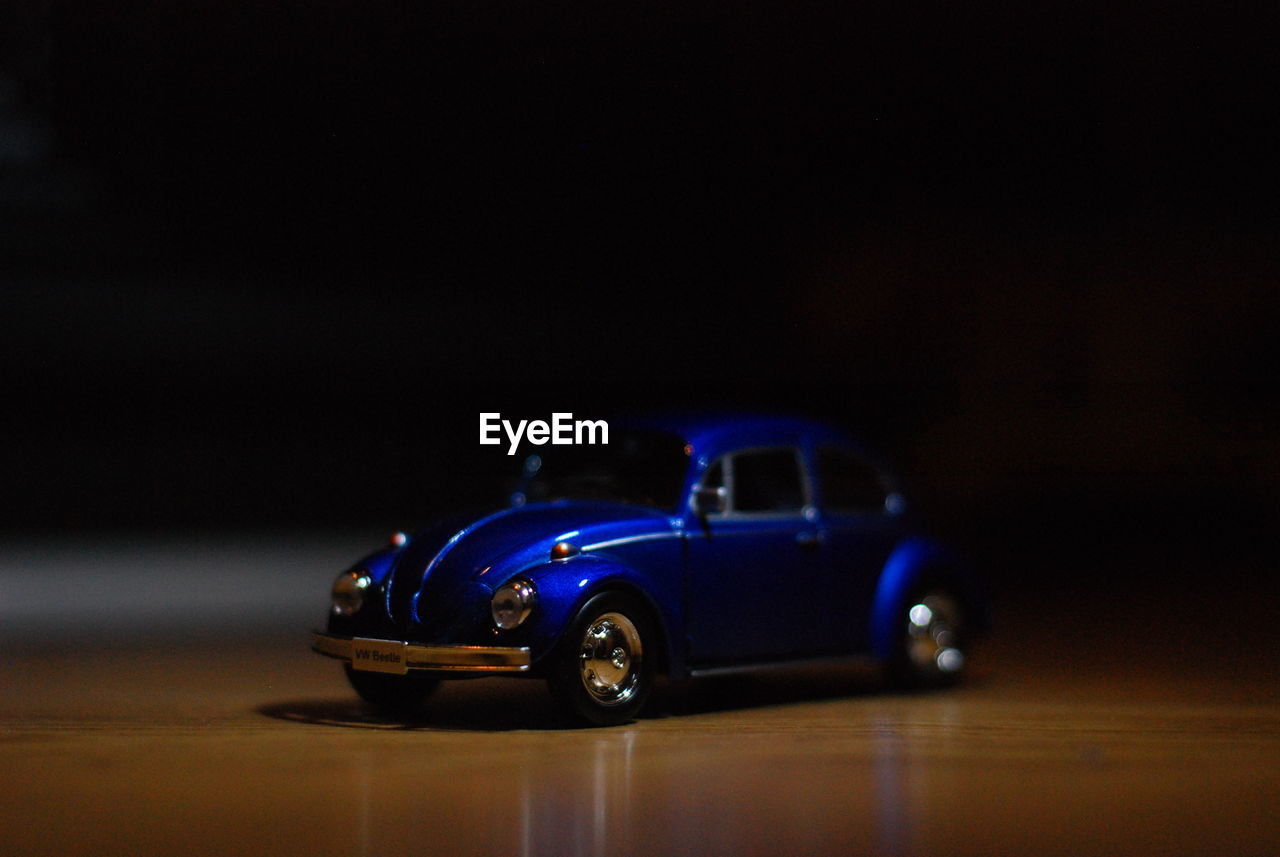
685	546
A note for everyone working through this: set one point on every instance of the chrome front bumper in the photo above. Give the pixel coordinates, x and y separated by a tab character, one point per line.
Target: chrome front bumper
398	657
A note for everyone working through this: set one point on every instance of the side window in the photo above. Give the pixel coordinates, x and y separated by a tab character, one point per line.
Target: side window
714	477
849	484
767	481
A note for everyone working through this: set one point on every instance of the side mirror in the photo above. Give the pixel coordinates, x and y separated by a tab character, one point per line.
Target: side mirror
709	501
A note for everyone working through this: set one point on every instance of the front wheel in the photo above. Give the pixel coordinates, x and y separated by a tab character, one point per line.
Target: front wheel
932	639
602	671
392	694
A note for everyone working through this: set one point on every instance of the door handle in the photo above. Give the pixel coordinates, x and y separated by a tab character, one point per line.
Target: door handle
808	539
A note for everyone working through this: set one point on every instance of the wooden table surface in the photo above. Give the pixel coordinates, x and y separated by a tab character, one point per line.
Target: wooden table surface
1124	728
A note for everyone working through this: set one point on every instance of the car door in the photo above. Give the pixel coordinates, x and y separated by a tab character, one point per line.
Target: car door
756	569
861	525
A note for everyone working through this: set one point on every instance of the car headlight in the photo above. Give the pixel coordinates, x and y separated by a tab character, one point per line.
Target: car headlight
348	592
512	603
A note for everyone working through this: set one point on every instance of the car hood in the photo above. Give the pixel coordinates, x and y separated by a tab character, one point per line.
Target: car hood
460	560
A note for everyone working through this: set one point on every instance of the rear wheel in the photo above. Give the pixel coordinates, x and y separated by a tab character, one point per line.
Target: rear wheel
392	694
932	639
603	671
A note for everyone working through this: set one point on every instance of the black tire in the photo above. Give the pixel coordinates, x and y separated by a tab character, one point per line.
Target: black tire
603	669
933	635
392	694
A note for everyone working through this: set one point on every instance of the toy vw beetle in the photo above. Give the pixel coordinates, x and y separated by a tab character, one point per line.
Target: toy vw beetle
685	546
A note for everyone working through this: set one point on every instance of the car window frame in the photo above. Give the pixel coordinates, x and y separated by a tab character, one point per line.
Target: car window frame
887	485
726	461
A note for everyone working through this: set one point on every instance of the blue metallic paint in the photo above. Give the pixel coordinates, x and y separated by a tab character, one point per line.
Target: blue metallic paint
739	590
563	587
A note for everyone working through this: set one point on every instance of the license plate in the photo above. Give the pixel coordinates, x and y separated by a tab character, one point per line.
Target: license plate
379	656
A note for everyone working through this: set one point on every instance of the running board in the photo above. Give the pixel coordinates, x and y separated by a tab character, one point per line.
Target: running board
765	666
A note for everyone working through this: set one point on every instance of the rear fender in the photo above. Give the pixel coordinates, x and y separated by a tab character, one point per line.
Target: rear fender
913	563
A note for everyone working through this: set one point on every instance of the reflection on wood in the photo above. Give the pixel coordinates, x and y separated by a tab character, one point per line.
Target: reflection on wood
164	747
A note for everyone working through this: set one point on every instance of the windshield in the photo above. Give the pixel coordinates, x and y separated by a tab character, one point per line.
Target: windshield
644	468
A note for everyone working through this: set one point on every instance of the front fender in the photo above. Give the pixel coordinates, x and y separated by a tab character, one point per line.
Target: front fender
565	586
913	562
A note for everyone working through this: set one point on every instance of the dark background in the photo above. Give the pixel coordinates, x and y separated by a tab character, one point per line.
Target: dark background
264	263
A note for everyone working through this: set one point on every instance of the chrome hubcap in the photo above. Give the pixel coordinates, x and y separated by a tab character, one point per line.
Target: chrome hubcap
933	634
610	657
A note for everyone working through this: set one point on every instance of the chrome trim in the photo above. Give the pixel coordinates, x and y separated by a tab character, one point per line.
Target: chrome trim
720	534
935	631
524	593
347	594
613	543
610	658
512	659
